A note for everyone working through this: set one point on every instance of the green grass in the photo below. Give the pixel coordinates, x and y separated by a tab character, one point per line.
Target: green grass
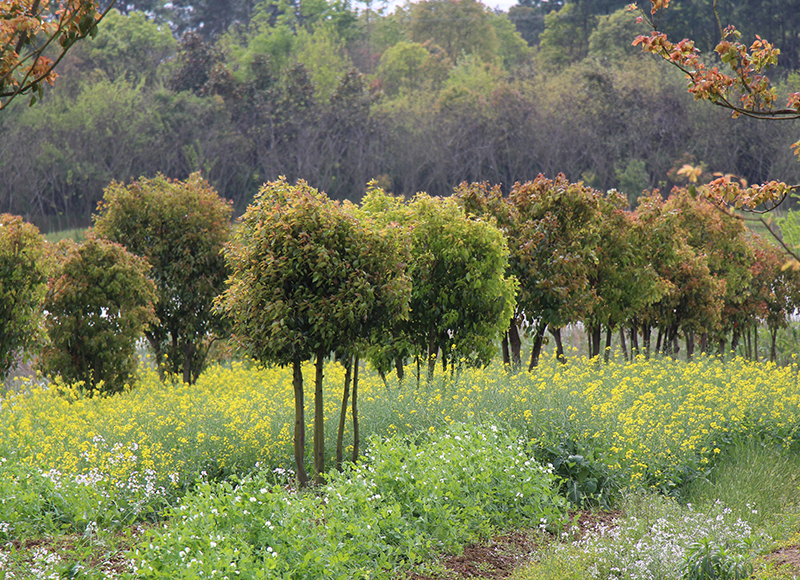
76	235
754	488
759	483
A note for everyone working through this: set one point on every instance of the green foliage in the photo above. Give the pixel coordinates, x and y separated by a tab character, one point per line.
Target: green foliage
98	304
307	276
409	66
612	38
513	50
584	480
478	76
461	297
180	227
706	560
563	40
129	46
633	179
460	28
46	503
322	54
556	236
407	501
693	295
23	283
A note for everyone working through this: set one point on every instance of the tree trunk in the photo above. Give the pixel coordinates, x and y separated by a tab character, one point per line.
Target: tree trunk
607	349
704	343
398	365
432	351
299	423
672	346
515	345
319	424
735	338
356	434
646	331
188	353
634	340
538	339
748	344
689	345
504	349
755	342
348	374
594	340
773	351
556	332
622	345
659	338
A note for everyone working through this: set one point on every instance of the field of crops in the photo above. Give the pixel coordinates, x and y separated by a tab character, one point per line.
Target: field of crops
217	456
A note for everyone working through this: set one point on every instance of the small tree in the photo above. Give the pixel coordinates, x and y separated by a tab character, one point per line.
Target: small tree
693	299
621	275
98	304
23	283
461	297
180	227
307	278
557	229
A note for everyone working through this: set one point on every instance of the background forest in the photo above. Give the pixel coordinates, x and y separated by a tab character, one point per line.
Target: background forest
422	97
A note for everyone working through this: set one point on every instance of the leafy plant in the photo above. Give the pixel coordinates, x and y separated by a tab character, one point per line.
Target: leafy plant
706	560
407	500
584	481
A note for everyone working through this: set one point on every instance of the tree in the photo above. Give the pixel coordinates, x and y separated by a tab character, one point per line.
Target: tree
720	237
461	297
777	286
129	47
693	299
557	224
33	29
460	27
308	278
23	283
181	228
622	274
98	304
746	91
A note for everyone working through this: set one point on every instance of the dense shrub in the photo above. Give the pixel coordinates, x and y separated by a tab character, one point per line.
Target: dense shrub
98	305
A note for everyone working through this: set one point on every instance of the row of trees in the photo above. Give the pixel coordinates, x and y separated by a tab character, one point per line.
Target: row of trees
417	102
425	280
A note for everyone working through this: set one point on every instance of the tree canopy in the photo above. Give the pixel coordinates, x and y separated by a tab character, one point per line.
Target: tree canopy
180	227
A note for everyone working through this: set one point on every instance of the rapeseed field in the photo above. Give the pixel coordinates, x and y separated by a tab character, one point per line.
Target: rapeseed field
644	421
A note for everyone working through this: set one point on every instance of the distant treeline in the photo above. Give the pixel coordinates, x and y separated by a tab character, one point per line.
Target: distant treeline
436	93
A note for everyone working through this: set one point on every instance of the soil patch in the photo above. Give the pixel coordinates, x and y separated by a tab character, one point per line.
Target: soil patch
504	553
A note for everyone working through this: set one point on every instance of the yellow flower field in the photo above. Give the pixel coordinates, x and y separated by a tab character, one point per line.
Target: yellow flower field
642	420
